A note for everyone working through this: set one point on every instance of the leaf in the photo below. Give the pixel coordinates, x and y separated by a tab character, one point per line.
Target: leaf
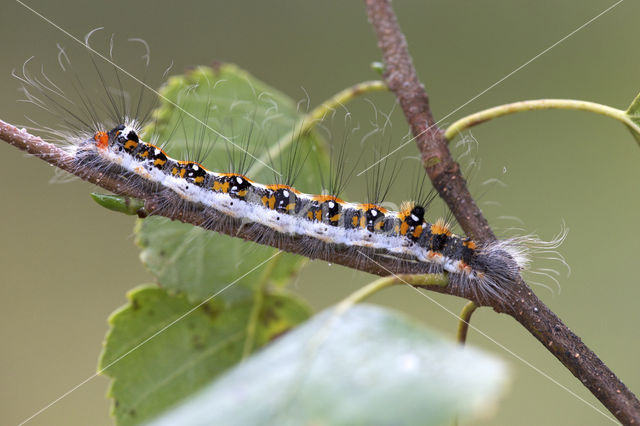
161	348
370	366
200	263
119	203
256	118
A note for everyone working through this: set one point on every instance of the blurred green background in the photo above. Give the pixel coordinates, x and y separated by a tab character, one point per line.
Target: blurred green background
66	263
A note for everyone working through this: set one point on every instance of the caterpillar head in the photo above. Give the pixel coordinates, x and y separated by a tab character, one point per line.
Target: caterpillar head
102	140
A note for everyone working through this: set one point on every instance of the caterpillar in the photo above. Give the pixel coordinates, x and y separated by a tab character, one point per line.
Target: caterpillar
321	224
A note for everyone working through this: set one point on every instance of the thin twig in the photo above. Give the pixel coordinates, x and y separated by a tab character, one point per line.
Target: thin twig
420	280
463	324
314	116
522	304
539	104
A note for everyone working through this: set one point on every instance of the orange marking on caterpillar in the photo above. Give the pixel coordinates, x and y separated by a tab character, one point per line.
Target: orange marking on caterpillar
234	175
269	202
221	187
323	198
193	163
405	209
464	267
432	254
440	228
157	148
363	222
469	244
277	186
368	206
129	145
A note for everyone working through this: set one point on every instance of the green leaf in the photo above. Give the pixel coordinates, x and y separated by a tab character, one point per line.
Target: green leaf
370	366
633	112
119	203
162	348
256	118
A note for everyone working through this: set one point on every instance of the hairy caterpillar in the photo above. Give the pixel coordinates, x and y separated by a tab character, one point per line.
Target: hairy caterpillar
323	221
268	212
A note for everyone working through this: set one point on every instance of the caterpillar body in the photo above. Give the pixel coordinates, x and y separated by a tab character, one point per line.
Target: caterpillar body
320	222
319	225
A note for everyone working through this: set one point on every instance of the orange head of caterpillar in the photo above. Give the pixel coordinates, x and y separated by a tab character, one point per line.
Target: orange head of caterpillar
102	140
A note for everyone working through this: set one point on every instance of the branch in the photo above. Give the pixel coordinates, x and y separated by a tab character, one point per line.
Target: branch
444	172
540	104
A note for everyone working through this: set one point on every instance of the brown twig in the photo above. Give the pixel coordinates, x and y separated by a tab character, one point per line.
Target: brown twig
444	172
402	79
